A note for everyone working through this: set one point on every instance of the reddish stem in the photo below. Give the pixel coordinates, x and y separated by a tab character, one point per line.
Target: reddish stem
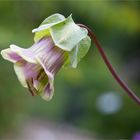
110	67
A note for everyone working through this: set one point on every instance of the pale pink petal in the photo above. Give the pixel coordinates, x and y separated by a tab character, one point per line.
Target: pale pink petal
41	47
25	70
49	90
9	55
36	66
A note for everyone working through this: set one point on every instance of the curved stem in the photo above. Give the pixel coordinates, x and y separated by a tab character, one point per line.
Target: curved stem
110	67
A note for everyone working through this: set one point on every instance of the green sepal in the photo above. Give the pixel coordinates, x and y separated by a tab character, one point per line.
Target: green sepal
66	35
78	52
64	32
43	29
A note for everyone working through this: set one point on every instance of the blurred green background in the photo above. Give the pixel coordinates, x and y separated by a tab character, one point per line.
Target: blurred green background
87	97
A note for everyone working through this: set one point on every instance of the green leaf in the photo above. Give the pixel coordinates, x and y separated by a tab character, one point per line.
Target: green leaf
41	34
79	51
66	34
53	19
43	29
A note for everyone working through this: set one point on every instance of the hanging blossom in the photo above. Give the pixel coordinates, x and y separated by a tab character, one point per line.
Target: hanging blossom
58	41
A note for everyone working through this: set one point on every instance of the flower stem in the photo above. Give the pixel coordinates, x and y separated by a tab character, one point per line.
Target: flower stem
109	65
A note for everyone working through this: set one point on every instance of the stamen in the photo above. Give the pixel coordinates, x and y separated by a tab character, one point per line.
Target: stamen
42	83
31	87
40	75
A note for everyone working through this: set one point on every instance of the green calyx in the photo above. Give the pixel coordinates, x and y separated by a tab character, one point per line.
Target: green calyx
66	35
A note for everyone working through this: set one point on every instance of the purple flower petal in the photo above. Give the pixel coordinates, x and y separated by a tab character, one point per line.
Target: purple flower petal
25	70
36	66
47	95
41	47
9	55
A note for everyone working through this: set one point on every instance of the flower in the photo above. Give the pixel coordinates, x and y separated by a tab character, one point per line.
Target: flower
58	41
36	66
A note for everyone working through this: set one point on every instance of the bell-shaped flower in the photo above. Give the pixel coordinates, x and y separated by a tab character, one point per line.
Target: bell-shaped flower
58	41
